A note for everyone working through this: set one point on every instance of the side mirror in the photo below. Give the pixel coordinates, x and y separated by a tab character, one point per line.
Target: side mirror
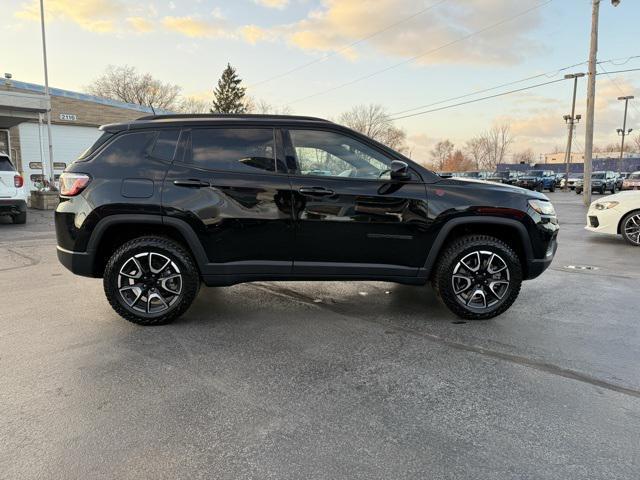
399	170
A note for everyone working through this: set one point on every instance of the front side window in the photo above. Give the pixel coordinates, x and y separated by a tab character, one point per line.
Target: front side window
245	150
320	153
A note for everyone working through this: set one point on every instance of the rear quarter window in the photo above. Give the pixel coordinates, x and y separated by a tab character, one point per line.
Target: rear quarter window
6	165
128	149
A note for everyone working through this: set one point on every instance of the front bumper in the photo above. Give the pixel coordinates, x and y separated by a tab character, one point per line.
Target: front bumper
12	206
603	221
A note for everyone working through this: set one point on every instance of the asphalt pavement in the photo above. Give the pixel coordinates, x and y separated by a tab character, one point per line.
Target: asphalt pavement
310	380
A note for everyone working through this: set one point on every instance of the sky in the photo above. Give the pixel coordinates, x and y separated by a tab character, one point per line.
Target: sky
322	57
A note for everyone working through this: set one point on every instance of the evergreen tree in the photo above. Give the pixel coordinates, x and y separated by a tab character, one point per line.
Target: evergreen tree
229	95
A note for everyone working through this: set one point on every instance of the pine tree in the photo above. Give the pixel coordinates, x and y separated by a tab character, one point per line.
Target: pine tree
229	95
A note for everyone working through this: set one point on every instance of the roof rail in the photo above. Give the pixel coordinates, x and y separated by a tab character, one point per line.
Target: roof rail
186	116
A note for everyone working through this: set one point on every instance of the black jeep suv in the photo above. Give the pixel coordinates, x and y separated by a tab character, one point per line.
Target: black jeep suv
162	204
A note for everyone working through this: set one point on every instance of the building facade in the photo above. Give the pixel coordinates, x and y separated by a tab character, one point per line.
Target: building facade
75	118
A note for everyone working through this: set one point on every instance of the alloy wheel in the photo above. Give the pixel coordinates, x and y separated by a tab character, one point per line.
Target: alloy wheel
149	282
481	279
632	229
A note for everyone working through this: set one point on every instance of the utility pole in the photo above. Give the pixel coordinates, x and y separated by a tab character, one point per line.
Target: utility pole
52	176
571	120
591	97
623	131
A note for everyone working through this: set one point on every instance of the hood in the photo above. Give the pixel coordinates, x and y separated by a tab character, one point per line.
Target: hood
503	187
620	197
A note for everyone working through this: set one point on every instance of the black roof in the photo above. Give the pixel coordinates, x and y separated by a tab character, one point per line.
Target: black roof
208	118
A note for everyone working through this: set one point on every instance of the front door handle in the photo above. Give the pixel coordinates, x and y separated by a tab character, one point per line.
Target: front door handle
191	183
318	191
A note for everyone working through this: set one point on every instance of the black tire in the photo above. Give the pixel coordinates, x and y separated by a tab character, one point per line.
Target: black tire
463	247
613	189
628	228
20	218
180	267
578	191
552	188
603	190
539	187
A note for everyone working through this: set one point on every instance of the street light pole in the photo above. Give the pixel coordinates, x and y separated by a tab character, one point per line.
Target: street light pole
571	120
46	93
591	97
623	132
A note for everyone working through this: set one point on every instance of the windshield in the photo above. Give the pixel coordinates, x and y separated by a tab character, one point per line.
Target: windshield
6	165
635	176
598	175
534	173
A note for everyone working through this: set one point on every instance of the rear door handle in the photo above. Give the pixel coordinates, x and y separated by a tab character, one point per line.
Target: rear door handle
191	183
318	191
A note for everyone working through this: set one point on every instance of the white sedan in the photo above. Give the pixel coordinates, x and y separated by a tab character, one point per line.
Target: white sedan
617	214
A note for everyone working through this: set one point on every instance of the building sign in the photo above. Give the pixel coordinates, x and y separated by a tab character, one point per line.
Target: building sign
68	116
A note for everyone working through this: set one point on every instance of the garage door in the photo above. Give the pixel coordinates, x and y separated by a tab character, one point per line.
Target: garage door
69	141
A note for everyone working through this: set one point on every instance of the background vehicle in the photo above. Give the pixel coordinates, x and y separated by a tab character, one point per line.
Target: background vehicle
506	176
601	182
617	214
574	178
538	180
445	174
169	202
620	176
560	179
479	175
13	194
632	182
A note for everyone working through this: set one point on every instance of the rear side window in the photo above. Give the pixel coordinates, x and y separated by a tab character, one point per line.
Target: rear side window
247	150
165	145
6	165
128	149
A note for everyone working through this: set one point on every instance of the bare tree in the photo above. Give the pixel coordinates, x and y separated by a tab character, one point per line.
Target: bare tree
372	120
636	143
476	149
261	106
193	105
498	140
126	84
441	153
458	162
525	157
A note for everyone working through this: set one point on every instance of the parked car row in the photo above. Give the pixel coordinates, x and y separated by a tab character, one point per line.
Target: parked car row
540	180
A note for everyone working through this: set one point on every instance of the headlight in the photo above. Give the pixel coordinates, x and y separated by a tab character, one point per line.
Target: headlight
542	207
605	205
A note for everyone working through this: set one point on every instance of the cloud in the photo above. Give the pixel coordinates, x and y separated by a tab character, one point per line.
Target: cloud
342	22
280	4
253	34
93	15
140	24
195	27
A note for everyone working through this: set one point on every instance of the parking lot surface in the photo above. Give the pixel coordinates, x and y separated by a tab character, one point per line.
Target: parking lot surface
323	380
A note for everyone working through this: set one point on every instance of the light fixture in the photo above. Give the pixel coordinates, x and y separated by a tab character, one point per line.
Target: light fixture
615	3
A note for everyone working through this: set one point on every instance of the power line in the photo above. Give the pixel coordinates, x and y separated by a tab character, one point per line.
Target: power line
549	74
409	60
615	82
496	95
347	47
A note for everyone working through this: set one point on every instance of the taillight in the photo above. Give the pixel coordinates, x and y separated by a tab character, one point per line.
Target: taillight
18	181
72	184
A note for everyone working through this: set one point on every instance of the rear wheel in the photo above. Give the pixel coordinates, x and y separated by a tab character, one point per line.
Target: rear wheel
20	218
151	280
630	228
478	277
578	191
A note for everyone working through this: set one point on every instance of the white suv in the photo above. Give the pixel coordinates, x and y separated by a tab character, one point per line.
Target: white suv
13	195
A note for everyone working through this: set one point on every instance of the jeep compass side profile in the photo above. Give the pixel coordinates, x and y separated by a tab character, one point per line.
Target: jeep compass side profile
162	204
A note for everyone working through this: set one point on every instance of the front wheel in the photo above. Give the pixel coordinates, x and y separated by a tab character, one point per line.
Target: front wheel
578	191
552	188
478	277
630	228
151	280
539	187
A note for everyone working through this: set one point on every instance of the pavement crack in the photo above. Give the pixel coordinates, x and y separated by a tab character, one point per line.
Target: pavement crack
508	357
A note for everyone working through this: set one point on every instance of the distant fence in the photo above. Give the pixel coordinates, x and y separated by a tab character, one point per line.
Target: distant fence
613	164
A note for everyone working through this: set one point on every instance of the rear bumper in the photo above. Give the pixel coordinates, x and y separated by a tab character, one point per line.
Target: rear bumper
80	263
12	206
